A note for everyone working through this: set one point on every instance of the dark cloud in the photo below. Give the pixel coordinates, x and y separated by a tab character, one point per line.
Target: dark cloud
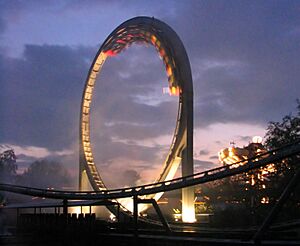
130	177
214	157
42	95
44	174
200	165
244	64
2	26
105	150
25	159
245	138
203	152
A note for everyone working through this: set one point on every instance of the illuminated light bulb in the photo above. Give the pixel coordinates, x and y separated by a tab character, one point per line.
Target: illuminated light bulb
153	39
175	90
169	70
110	53
162	52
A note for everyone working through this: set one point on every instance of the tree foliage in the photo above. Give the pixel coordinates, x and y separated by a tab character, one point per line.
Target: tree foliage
282	133
285	132
8	166
45	174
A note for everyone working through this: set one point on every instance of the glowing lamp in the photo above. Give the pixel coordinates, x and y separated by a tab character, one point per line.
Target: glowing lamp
110	53
169	70
162	52
153	39
175	91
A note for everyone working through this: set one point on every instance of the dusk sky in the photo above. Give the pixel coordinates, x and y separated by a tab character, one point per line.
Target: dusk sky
245	64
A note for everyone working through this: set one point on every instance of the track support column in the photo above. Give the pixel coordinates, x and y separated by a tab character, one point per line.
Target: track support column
135	214
188	193
65	207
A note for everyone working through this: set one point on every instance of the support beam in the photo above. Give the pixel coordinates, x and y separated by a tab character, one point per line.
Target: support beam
118	212
160	215
84	184
276	209
65	207
158	211
18	214
188	193
135	214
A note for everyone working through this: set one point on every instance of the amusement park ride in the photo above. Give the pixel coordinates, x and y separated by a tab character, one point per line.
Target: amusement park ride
235	160
171	50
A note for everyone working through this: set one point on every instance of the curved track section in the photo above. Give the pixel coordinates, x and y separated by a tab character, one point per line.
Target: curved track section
273	156
171	50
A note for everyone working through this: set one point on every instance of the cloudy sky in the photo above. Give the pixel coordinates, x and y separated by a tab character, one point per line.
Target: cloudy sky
245	64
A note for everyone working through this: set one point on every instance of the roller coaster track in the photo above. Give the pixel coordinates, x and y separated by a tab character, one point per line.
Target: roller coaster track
148	31
174	184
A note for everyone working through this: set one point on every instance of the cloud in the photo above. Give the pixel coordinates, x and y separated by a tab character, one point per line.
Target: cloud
245	138
203	152
43	95
200	165
251	67
2	26
130	177
214	157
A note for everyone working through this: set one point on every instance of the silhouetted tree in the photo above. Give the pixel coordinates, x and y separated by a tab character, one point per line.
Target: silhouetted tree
8	166
285	132
280	134
45	174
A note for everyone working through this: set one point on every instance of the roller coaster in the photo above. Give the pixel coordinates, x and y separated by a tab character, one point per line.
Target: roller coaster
151	31
171	50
